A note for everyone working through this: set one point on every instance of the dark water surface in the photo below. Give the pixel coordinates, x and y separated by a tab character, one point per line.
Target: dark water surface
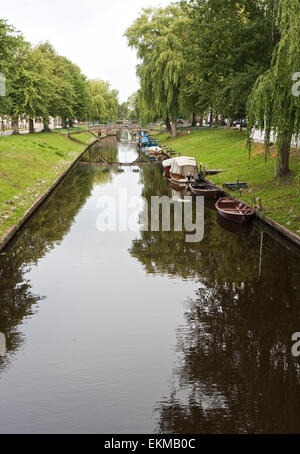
142	332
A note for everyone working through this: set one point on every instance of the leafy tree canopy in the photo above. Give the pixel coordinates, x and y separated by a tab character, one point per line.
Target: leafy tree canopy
274	102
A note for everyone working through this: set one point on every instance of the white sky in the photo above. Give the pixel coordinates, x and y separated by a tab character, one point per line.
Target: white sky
90	33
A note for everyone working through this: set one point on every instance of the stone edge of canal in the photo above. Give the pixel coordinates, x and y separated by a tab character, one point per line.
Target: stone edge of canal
273	225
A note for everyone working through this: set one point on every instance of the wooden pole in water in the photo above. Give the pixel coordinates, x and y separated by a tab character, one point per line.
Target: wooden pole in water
261	252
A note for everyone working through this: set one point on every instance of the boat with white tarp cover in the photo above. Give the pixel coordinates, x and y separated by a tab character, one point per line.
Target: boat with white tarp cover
179	169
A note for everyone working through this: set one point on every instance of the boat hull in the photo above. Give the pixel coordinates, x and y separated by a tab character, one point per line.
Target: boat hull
234	186
234	211
205	191
241	220
180	179
167	173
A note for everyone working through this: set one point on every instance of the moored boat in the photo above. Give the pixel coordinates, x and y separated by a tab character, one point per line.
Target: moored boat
152	143
154	154
235	186
142	138
167	164
154	149
234	210
145	140
181	169
205	190
153	157
199	179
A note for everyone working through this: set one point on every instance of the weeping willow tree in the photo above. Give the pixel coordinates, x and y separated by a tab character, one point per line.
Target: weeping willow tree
158	36
274	102
104	101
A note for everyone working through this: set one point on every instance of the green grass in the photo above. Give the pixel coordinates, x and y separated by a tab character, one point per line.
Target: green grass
84	138
226	150
29	164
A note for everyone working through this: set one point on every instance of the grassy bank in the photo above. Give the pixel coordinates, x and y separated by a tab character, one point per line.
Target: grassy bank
29	164
84	138
226	150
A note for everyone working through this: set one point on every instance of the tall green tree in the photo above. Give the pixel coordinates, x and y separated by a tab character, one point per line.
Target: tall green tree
230	45
158	37
31	88
275	101
104	101
133	103
123	110
68	96
10	42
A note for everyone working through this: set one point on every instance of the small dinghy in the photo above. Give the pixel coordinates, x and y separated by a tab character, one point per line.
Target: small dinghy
235	186
235	211
205	190
153	143
155	149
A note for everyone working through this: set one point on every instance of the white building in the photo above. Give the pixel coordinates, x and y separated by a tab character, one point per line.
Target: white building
259	136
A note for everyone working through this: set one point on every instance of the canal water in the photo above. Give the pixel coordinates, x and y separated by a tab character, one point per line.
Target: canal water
141	332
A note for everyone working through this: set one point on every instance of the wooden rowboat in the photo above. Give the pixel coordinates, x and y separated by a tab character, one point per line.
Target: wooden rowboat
205	190
235	211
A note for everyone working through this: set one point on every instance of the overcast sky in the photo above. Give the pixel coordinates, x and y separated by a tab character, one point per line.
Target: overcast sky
89	32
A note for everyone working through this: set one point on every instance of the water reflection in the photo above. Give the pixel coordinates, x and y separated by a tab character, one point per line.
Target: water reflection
233	300
234	372
2	345
42	233
124	135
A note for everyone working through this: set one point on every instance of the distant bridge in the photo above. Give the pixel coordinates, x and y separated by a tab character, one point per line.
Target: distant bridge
112	129
139	162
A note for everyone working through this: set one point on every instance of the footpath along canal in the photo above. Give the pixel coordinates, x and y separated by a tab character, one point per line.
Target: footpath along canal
126	332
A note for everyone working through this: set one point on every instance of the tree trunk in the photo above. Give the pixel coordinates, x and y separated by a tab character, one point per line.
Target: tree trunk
46	126
31	126
194	120
228	123
168	124
15	126
283	159
174	128
216	119
211	119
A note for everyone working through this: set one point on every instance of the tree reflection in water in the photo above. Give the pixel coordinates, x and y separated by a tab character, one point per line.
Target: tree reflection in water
46	229
235	372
